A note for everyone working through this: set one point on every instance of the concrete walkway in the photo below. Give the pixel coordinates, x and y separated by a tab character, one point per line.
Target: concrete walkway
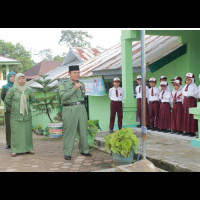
170	148
49	158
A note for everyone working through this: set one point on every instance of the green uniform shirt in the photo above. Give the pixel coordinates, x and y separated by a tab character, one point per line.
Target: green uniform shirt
69	94
12	99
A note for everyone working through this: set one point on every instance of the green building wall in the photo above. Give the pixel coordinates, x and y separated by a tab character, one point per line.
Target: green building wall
99	107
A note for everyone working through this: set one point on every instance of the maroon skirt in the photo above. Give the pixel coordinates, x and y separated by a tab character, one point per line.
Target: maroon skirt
164	121
177	117
190	125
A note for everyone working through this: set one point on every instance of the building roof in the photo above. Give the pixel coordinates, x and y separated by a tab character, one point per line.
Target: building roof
88	53
4	60
110	60
42	68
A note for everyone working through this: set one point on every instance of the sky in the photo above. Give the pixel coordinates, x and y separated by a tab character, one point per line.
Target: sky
36	39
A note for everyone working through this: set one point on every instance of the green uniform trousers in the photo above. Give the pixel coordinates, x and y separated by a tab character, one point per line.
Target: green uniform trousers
74	120
8	130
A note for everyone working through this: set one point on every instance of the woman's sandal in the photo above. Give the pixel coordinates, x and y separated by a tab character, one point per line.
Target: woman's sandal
13	154
31	152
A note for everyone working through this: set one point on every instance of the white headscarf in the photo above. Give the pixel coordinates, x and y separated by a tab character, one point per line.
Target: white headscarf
22	89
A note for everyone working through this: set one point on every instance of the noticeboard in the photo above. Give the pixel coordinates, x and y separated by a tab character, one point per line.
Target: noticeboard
94	86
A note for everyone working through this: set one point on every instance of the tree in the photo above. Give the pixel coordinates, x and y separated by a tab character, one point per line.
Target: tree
17	52
45	54
75	38
47	103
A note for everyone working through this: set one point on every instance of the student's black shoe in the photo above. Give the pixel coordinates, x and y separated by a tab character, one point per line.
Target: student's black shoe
160	130
110	131
86	154
8	147
148	127
192	134
186	134
67	157
138	126
167	131
151	128
179	132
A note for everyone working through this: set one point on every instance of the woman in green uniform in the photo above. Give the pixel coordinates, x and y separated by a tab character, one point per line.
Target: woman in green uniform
5	88
19	99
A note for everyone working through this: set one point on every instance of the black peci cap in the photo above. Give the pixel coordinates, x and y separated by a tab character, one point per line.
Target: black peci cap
73	68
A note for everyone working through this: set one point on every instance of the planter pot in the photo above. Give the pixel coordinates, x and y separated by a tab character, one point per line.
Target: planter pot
55	130
119	159
39	132
90	140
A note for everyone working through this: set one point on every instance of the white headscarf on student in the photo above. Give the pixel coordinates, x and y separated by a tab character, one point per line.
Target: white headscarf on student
22	89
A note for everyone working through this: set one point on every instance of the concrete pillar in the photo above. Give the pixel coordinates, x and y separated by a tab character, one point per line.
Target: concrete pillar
7	70
129	102
196	113
1	73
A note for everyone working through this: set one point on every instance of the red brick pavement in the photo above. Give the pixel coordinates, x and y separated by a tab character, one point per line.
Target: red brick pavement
49	157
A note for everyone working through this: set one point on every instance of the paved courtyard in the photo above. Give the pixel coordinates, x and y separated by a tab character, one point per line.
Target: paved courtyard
49	158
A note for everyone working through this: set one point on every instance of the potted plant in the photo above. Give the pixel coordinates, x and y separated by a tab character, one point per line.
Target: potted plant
39	129
56	128
49	102
92	131
122	144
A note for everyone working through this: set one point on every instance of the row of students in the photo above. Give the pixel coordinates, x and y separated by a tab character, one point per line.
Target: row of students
161	116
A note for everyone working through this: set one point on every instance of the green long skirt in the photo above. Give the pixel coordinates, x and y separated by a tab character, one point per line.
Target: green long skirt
21	136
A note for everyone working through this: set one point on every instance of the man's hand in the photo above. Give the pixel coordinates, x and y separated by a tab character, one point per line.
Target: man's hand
77	85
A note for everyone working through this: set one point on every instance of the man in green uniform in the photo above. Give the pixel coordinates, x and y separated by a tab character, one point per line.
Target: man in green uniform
72	93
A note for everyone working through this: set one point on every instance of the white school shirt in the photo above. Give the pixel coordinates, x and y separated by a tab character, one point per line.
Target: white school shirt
112	94
179	96
139	95
192	90
167	89
166	96
199	91
156	93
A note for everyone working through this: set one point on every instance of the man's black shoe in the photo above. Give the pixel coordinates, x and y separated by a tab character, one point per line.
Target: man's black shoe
160	130
67	157
86	154
8	147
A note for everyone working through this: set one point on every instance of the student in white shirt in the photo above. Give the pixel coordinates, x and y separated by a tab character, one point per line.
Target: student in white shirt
153	104
116	95
139	99
199	89
177	110
164	78
165	109
190	93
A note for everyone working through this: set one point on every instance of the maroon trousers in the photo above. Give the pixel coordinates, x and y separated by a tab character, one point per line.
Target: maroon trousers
116	107
139	109
164	116
154	113
177	117
190	125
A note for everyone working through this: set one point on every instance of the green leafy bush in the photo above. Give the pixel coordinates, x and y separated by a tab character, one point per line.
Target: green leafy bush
92	129
38	127
122	142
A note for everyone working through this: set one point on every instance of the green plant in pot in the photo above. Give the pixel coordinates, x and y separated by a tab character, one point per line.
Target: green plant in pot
122	144
92	131
39	129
